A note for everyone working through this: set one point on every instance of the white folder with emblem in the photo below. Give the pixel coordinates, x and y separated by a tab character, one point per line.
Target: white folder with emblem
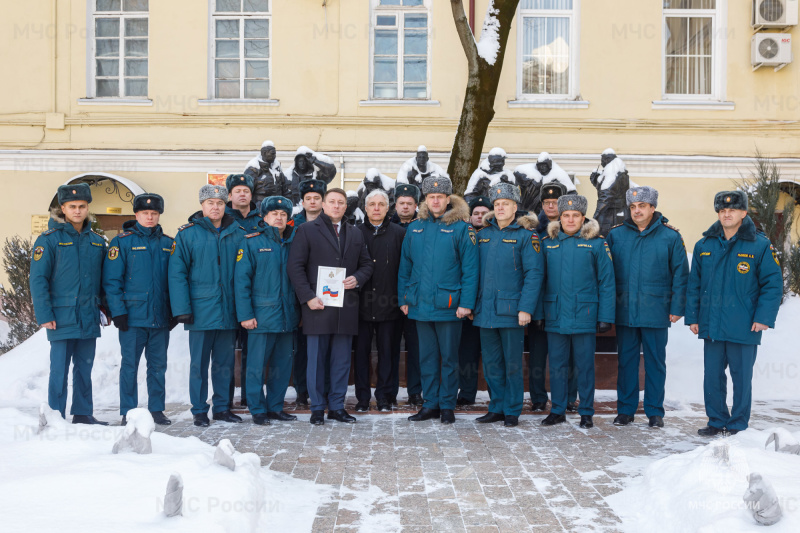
330	286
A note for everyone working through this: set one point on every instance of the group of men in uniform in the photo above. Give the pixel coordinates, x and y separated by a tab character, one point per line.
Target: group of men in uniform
445	275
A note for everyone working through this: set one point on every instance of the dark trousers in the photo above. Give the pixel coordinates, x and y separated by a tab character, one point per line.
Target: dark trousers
341	347
537	362
81	353
438	359
740	358
469	361
386	334
241	343
300	366
502	367
583	347
630	344
273	350
154	343
408	330
214	347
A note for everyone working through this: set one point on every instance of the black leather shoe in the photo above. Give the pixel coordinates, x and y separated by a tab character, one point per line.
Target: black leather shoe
302	399
415	399
124	421
448	416
201	420
572	407
281	415
361	407
341	415
586	421
656	422
733	431
511	421
317	418
709	431
227	416
538	406
87	419
385	406
488	418
425	414
623	420
552	419
260	419
463	401
160	419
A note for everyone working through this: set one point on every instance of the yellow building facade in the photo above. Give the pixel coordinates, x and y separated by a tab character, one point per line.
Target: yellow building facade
137	95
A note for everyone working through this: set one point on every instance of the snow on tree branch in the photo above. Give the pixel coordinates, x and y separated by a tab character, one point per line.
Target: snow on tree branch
489	45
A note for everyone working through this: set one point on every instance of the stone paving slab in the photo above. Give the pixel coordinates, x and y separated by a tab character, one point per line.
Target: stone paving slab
467	477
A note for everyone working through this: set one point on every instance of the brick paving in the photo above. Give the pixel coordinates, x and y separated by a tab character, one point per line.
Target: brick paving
425	477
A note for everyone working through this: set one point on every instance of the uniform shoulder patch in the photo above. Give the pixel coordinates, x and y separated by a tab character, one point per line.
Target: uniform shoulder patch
618	225
126	234
673	228
473	236
37	253
48	232
774	255
608	250
537	246
113	253
189	225
251	235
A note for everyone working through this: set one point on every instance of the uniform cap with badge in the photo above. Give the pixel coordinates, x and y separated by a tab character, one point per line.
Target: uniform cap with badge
208	192
572	202
148	201
76	192
730	200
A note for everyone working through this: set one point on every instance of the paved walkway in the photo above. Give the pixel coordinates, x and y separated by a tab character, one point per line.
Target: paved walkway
423	477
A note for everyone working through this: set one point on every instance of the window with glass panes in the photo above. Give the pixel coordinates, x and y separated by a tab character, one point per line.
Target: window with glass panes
546	47
400	49
241	51
120	48
689	47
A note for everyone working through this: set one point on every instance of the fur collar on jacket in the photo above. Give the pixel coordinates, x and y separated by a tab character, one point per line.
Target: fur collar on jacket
457	210
747	231
528	222
590	229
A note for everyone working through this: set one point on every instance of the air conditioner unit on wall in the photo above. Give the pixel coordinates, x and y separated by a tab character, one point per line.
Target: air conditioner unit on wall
775	13
771	50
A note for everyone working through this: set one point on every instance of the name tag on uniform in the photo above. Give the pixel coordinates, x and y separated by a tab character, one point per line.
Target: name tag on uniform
510	241
265	249
65	244
748	256
97	244
166	249
446	231
484	240
584	245
704	253
137	248
417	230
551	247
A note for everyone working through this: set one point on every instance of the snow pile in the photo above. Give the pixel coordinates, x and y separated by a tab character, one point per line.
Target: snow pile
66	478
704	489
136	436
489	45
24	372
775	375
373	175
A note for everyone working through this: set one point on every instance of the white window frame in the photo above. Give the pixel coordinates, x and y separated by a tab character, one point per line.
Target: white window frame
574	15
213	16
375	10
91	71
719	32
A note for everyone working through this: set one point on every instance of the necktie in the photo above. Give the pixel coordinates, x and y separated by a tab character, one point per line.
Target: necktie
336	229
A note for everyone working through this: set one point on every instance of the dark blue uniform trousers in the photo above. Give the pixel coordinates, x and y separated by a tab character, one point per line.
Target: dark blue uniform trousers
408	329
81	353
537	362
273	350
583	347
214	347
502	367
630	341
469	360
241	342
341	347
154	343
438	358
740	358
386	333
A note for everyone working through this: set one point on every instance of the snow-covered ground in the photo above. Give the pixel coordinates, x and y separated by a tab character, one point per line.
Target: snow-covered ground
703	489
4	329
66	478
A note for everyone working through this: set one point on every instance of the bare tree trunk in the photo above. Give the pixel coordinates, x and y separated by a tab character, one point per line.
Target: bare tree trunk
478	109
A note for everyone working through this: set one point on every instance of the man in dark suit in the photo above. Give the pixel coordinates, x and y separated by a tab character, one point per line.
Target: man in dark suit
328	241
